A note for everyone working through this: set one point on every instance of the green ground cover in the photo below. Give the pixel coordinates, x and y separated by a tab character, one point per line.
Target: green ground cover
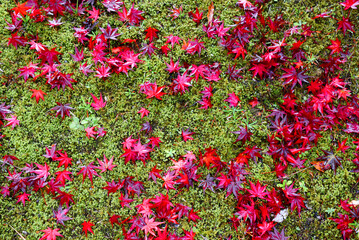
39	128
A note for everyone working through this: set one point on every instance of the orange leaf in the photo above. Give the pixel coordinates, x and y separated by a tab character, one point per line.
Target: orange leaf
210	13
319	165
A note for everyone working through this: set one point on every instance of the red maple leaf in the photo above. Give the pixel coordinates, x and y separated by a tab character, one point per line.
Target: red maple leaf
257	190
150	224
95	13
196	16
60	215
88	171
13	122
64	159
63	110
259	69
38	94
335	47
350	4
151	33
22	198
232	99
106	165
187	135
21	8
90	132
144	112
49	56
87	227
50	234
345	24
62	176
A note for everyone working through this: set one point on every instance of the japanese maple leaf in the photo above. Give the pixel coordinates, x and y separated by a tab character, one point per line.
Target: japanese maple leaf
232	99
28	71
22	198
222	32
87	227
16	40
176	12
112	187
144	112
50	234
244	4
259	69
105	165
181	83
42	172
243	135
37	94
88	171
98	103
155	91
154	173
254	102
207	92
110	33
165	49
173	67
335	47
85	69
148	49
55	22
196	16
239	50
294	77
60	215
192	216
350	4
114	219
21	8
168	180
63	110
275	235
64	159
13	122
151	33
62	176
133	16
49	56
208	183
95	13
4	110
125	200
257	190
331	160
78	56
342	147
103	72
209	157
345	24
150	224
172	39
187	135
154	141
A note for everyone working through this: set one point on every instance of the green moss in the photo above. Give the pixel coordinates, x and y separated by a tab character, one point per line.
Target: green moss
39	128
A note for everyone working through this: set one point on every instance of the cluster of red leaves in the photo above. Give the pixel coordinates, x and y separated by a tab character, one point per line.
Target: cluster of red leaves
344	220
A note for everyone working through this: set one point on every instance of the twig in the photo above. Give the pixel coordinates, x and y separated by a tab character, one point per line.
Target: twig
22	237
288	176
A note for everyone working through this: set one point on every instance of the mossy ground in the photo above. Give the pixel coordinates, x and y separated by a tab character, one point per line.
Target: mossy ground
39	128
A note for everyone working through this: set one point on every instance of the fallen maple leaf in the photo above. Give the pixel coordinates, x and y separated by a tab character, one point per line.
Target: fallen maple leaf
38	94
87	227
50	234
